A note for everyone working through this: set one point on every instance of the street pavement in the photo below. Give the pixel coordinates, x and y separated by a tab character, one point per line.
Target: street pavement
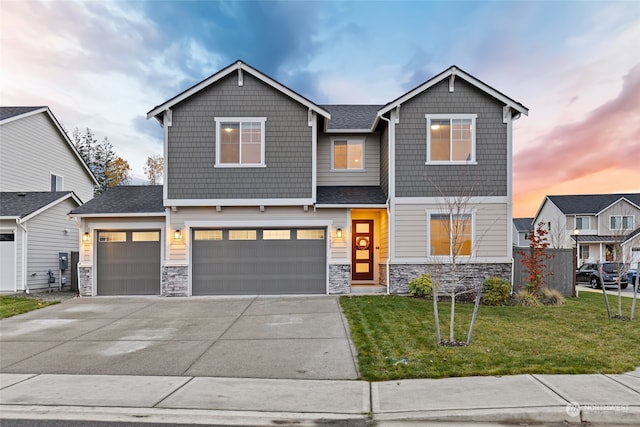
157	360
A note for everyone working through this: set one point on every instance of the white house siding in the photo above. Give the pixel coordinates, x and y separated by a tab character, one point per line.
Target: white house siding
31	149
371	174
620	208
490	233
46	237
10	226
561	226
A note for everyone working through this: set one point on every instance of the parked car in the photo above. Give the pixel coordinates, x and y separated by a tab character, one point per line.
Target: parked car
631	277
607	271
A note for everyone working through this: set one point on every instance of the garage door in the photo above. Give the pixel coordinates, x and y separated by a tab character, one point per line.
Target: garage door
128	262
259	261
7	262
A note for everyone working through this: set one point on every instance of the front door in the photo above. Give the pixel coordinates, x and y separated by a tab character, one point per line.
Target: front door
362	249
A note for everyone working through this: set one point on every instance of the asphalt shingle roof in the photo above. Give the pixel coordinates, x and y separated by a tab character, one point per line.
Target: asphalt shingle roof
125	199
523	224
20	204
350	195
590	203
8	112
353	117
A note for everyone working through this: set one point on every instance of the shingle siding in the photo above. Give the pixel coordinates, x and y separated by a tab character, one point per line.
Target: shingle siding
384	161
487	178
191	159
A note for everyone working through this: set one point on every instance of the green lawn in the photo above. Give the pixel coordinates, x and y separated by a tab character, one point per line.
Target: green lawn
12	305
395	338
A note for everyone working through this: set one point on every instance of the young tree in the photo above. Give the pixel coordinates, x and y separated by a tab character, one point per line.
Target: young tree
534	261
154	169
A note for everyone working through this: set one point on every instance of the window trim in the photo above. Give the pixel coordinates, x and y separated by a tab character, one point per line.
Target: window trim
472	117
622	227
470	213
59	178
239	120
348	140
575	222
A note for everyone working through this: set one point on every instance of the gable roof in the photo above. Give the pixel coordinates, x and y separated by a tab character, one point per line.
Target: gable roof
351	118
240	67
9	114
523	224
25	205
590	204
125	199
453	72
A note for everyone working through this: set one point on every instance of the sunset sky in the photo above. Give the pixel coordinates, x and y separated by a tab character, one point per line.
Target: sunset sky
575	65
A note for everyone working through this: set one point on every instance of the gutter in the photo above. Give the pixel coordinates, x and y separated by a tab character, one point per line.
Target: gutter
388	203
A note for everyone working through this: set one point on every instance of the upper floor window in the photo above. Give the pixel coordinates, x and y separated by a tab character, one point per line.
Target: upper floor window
583	223
348	154
450	234
56	183
451	138
240	141
621	222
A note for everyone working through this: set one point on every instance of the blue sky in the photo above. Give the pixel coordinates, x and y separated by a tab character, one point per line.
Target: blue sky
575	65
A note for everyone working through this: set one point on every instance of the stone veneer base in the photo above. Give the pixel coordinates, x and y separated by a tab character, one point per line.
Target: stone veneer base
339	279
175	281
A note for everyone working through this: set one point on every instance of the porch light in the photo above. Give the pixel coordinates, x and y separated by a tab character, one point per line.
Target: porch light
86	237
177	235
339	233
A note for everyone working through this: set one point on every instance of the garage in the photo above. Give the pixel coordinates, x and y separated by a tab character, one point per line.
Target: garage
7	261
128	262
259	261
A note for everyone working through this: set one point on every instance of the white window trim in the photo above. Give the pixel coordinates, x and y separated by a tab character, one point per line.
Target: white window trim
354	140
471	213
575	222
622	228
262	121
52	174
471	161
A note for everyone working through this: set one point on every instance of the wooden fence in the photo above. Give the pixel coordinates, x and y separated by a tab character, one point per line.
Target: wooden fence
560	269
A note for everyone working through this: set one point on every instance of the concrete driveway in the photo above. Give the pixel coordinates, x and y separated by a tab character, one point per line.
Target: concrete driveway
253	337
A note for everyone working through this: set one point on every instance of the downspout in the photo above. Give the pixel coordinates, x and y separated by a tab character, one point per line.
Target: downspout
388	203
25	284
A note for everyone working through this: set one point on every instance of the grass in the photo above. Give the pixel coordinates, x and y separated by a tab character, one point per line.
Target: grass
12	305
395	338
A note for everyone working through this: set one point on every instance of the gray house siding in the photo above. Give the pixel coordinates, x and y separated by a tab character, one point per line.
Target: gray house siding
384	161
192	149
369	176
487	178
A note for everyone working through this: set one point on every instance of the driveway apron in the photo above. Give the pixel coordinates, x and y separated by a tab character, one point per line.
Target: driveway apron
251	337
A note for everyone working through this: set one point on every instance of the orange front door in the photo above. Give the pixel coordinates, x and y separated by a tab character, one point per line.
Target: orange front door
362	249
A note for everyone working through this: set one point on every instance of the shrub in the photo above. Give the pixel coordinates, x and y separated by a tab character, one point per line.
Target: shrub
527	299
421	286
496	291
552	297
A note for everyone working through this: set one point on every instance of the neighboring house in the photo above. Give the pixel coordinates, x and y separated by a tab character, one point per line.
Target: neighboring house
267	192
598	223
42	178
522	227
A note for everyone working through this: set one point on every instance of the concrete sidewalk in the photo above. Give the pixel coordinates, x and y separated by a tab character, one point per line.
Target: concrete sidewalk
602	400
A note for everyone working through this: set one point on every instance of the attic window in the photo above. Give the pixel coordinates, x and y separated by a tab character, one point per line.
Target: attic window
56	183
240	141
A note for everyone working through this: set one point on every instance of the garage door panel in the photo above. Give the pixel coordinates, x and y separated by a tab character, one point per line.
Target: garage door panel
128	267
259	266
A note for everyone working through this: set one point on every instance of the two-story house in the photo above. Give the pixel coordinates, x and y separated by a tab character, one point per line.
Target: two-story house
267	192
42	178
601	225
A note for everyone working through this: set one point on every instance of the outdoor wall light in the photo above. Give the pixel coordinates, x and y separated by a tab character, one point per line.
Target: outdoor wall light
339	233
86	237
177	235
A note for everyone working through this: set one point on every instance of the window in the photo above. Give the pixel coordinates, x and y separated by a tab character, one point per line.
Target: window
584	252
582	223
348	154
145	236
450	233
310	234
240	141
56	183
207	235
112	236
243	234
276	235
451	138
621	222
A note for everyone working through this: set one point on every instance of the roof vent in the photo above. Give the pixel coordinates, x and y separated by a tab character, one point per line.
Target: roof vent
22	194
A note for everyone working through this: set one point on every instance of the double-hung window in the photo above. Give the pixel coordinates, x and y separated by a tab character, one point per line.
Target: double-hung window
347	154
240	141
450	234
621	222
451	138
583	223
56	183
